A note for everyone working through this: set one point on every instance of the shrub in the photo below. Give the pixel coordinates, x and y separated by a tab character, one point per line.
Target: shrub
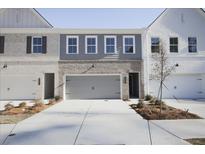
51	102
57	98
148	97
23	104
158	102
140	104
153	100
8	106
39	104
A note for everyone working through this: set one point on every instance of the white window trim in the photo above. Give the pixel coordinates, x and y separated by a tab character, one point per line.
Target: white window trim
32	37
128	36
86	45
72	36
110	36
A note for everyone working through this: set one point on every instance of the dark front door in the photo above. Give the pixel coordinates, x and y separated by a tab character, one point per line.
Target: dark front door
49	85
134	85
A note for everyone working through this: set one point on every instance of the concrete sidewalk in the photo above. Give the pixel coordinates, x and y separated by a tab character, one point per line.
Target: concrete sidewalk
184	129
194	106
89	122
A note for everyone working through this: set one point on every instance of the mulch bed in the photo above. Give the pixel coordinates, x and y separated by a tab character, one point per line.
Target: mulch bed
16	114
196	141
152	112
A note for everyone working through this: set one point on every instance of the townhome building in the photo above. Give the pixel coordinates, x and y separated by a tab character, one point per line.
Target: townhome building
28	56
181	32
39	62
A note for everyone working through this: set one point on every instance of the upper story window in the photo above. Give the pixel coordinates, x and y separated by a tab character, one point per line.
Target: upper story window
128	44
173	44
37	44
155	44
72	45
110	44
192	44
91	45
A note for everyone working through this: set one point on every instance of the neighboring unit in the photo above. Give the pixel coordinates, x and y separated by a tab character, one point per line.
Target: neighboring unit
181	32
28	56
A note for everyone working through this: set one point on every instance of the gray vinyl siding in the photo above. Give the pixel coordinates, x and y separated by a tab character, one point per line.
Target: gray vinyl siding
100	50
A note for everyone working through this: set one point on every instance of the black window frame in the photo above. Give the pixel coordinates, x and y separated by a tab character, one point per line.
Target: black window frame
192	45
155	47
173	45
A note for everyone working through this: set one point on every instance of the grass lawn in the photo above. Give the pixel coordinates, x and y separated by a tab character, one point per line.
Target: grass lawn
196	141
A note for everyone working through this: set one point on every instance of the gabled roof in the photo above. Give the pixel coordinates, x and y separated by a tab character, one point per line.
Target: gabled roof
22	18
163	12
42	18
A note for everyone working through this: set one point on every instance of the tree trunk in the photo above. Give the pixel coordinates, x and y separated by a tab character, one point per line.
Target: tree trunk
160	99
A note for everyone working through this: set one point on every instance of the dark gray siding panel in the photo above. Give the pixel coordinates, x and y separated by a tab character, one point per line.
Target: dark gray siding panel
101	55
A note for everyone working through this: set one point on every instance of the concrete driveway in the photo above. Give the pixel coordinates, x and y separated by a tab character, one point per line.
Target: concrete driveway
88	122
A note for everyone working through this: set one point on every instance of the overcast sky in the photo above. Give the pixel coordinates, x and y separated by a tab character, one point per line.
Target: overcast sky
100	18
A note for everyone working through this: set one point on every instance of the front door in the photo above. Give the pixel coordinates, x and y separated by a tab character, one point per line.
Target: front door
49	85
134	85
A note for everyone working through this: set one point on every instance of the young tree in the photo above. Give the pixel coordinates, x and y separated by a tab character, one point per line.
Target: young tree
161	69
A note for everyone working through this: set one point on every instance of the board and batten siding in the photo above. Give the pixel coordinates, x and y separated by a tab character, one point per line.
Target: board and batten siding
100	48
21	18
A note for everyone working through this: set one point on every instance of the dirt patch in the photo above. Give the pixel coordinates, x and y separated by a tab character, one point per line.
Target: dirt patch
152	112
196	141
15	114
13	119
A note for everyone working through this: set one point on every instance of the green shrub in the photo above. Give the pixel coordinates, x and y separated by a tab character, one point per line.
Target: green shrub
140	104
8	106
23	104
57	98
39	104
148	97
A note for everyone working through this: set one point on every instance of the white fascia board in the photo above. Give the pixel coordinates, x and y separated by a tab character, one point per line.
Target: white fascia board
71	31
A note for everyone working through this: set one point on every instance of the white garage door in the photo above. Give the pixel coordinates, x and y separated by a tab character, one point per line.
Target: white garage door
15	87
181	86
92	87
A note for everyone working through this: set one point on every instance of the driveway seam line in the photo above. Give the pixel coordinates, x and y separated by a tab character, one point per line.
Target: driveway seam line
82	124
8	134
150	136
166	130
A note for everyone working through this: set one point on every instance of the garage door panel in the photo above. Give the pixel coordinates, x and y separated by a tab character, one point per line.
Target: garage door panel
92	87
15	87
180	86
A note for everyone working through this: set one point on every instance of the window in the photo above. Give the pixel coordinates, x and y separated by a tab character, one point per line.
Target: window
72	45
128	44
110	44
155	45
91	44
37	45
192	44
173	44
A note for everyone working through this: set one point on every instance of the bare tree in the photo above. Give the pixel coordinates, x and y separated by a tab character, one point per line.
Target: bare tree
161	70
